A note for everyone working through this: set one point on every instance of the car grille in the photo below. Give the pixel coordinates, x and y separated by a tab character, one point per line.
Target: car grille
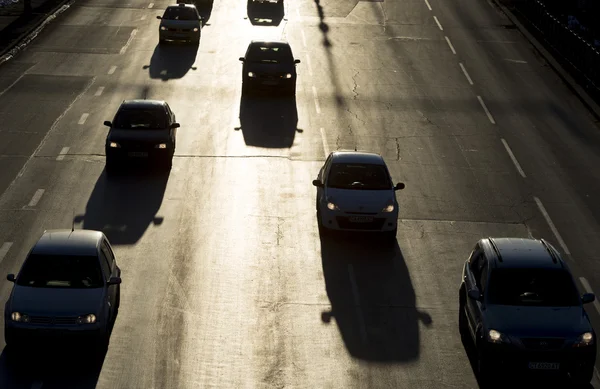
543	343
272	76
180	29
59	320
346	224
137	146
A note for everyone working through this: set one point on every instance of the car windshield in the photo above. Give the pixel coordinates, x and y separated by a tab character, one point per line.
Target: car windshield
359	176
141	119
61	271
270	54
532	287
180	13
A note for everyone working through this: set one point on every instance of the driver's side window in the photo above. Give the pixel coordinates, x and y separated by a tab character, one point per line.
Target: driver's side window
325	170
476	267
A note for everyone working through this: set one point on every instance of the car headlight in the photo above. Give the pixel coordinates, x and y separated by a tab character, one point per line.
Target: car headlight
114	145
332	206
163	28
250	74
586	339
289	75
497	337
19	317
161	146
86	319
389	208
195	29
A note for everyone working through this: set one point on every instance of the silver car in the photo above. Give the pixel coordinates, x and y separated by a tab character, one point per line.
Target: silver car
67	289
180	22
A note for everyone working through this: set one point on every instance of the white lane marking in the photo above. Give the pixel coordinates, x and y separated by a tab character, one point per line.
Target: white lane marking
83	118
112	69
450	44
359	313
310	72
514	159
588	289
314	88
4	250
428	5
143	17
303	38
37	384
514	60
466	73
552	226
12	84
150	5
487	111
62	153
99	91
37	196
131	36
438	23
325	144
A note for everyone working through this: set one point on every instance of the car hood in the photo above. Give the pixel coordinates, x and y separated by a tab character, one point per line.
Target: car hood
180	23
56	301
270	68
117	135
363	201
538	321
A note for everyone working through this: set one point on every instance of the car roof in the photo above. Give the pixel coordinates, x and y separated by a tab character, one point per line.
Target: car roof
67	242
141	103
279	42
357	157
524	253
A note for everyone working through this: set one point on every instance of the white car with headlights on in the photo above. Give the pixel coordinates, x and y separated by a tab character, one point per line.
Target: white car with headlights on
355	193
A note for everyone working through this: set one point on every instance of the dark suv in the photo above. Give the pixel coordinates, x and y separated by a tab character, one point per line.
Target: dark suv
520	306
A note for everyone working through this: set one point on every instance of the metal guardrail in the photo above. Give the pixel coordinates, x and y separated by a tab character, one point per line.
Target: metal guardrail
580	55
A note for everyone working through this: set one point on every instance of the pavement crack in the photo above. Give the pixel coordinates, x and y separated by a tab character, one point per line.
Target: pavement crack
397	140
355	84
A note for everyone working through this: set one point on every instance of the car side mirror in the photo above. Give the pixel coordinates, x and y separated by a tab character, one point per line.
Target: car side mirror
175	125
242	59
588	298
400	186
296	61
317	183
10	277
107	123
475	294
114	281
159	17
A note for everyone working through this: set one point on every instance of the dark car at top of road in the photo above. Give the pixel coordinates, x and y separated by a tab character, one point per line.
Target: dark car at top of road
520	307
143	131
273	6
68	289
180	22
269	65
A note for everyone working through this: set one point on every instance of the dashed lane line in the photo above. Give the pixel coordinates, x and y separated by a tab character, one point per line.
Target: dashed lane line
316	98
4	250
99	91
588	289
112	69
428	5
303	38
487	111
514	159
131	36
438	23
62	153
552	226
466	73
325	144
308	64
450	44
359	313
37	196
150	5
83	118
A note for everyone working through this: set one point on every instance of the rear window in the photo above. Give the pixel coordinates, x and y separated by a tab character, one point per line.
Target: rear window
145	119
61	271
270	54
532	287
180	13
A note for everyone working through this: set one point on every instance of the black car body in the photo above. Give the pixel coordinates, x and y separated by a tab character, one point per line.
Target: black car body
266	8
142	131
521	307
269	65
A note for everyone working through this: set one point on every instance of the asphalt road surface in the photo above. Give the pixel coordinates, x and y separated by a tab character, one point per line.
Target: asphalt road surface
226	283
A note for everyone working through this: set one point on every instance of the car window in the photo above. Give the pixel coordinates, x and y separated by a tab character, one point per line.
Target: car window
141	119
104	263
180	13
358	176
533	287
61	271
270	54
110	254
483	277
476	266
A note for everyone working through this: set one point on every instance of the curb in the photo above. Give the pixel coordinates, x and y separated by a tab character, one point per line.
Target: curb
32	32
562	73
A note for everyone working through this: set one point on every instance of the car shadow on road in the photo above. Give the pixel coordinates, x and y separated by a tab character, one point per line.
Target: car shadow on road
372	298
172	60
124	205
205	8
268	121
264	14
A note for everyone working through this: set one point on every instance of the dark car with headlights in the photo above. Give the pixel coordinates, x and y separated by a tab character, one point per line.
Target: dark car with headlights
269	65
141	131
180	22
68	289
519	304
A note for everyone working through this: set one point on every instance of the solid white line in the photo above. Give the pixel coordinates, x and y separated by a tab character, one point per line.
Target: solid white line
588	289
310	72
438	23
450	44
514	159
37	384
303	38
99	91
514	60
62	153
36	197
487	111
316	99
325	144
112	69
131	36
4	250
359	313
552	226
428	6
150	5
83	118
466	73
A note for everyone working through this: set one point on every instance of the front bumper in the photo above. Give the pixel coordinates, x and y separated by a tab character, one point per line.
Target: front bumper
342	221
179	35
25	335
269	82
141	155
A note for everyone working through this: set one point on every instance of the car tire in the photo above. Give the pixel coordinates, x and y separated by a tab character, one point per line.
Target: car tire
582	376
391	235
483	368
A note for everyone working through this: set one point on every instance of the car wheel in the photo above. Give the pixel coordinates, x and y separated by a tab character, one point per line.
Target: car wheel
103	342
582	376
391	235
483	368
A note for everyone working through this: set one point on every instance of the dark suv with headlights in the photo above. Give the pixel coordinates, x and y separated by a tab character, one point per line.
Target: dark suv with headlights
521	307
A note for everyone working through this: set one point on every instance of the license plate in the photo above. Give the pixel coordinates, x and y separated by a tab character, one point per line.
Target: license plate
137	154
544	366
361	219
269	82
